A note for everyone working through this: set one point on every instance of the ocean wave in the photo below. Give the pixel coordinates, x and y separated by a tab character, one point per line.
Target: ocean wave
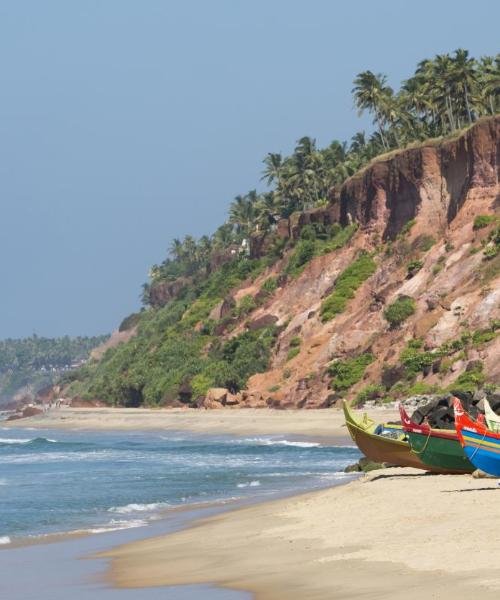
133	507
254	483
51	457
37	440
4	539
268	442
116	525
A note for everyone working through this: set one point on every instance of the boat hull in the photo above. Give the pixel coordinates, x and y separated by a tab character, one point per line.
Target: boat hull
381	449
480	444
437	448
441	452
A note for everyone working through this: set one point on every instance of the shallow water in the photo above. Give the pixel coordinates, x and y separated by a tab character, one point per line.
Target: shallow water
55	481
125	486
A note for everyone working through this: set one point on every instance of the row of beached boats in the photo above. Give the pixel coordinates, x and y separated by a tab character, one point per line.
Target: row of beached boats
473	444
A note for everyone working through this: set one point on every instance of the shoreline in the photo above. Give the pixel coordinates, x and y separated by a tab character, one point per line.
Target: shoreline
314	425
390	530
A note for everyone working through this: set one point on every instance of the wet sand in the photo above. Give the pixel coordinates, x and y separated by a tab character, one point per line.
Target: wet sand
394	533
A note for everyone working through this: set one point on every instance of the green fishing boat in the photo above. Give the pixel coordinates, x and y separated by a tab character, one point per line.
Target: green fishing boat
437	448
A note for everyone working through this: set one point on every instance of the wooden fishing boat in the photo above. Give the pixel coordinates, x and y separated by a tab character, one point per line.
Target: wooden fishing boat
480	444
383	443
492	419
437	448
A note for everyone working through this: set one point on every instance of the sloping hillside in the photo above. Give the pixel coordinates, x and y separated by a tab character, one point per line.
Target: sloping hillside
391	288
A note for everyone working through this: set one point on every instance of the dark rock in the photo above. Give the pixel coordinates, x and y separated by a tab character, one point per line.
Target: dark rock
474	365
391	375
264	321
32	411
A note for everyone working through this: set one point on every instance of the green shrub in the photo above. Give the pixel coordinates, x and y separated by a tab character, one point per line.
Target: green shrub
304	251
414	266
415	361
424	242
370	392
483	336
295	341
287	373
246	305
346	373
415	343
482	221
420	387
308	232
200	384
130	322
340	237
269	286
469	381
406	228
273	388
346	285
400	310
491	252
292	353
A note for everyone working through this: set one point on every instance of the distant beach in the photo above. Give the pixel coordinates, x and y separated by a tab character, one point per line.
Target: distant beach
327	423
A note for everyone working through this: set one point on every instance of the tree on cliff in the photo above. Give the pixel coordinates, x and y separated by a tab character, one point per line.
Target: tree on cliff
371	93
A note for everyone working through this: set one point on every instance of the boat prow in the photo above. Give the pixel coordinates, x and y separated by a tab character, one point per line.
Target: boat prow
480	444
383	443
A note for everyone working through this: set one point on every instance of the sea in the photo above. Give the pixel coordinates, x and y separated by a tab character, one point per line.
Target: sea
55	484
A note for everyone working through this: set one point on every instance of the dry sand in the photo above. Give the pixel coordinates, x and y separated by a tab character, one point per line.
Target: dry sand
327	423
396	533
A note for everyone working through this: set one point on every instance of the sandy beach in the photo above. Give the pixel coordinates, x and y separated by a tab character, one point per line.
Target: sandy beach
328	423
394	533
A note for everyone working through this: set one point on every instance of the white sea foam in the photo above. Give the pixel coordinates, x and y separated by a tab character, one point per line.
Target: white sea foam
268	442
131	508
24	440
4	539
116	525
96	455
254	483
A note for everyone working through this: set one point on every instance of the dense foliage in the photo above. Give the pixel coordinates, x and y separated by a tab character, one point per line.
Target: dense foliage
36	361
175	356
346	285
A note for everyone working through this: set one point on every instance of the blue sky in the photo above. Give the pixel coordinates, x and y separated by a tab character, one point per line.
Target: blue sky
124	124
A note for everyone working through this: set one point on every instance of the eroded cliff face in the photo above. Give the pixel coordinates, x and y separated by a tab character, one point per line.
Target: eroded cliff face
441	188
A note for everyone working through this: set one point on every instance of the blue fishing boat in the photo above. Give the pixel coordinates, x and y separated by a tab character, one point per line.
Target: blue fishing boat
480	444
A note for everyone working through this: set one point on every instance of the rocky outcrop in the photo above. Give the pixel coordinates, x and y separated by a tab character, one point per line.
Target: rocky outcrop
432	181
163	292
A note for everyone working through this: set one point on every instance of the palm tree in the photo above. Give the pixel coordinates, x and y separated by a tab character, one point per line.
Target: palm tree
242	214
370	92
443	76
265	211
223	236
489	82
464	73
273	168
176	249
